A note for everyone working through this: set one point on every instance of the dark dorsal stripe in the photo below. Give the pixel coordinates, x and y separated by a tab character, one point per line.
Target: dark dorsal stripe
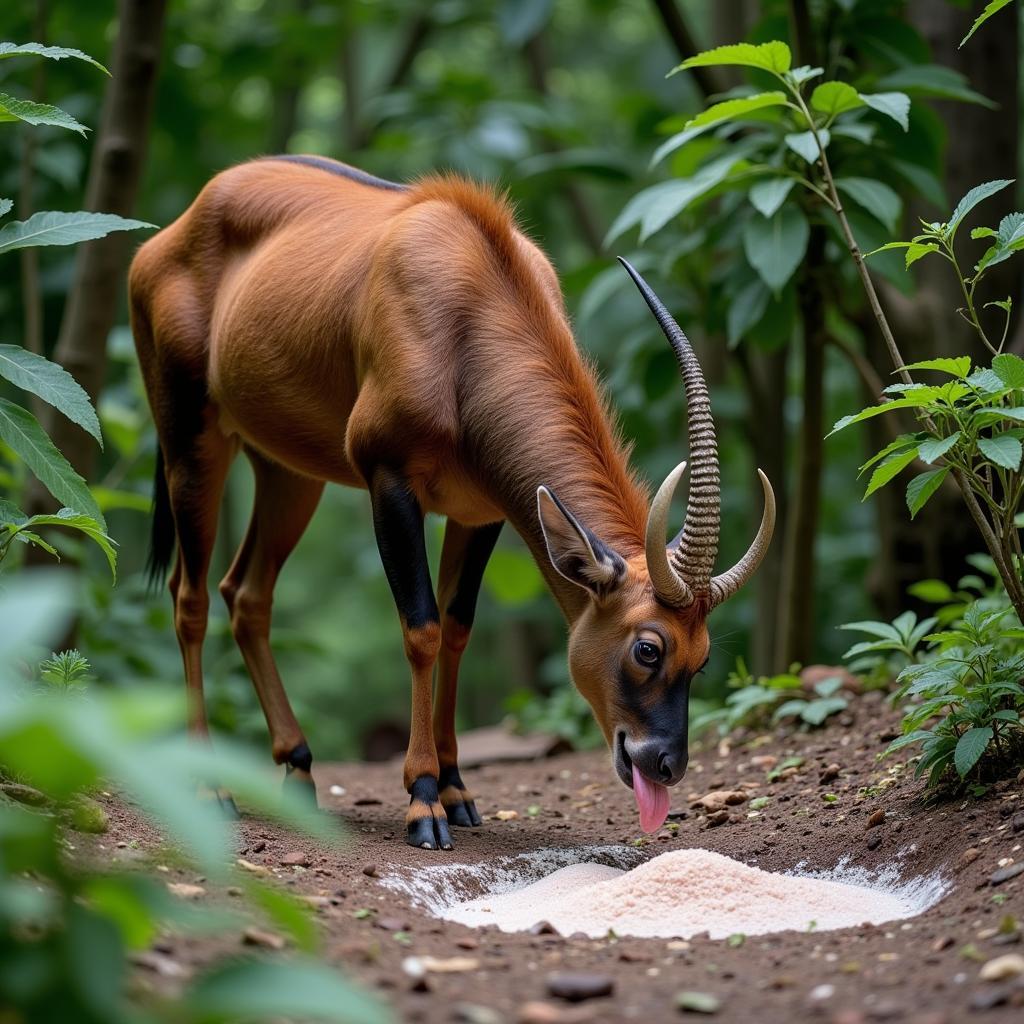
337	167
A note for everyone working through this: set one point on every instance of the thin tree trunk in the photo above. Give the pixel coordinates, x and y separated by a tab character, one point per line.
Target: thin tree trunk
287	92
31	292
115	172
797	597
708	80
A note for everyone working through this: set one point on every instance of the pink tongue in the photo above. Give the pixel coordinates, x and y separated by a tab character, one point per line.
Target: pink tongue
651	801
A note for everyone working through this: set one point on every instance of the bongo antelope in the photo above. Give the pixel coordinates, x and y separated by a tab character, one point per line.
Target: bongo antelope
410	340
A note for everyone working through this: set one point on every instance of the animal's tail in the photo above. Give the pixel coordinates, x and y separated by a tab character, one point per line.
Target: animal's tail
162	537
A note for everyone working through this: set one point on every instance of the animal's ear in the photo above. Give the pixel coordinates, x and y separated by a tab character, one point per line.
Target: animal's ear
577	553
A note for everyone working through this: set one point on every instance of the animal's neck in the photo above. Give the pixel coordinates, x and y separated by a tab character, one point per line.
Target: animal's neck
550	426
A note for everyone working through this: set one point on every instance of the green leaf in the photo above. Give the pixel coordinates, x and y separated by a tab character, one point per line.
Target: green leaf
746	309
5	206
264	989
52	52
69	518
21	431
803	144
889	470
52	383
775	247
934	81
901	442
976	195
876	197
767	196
993	7
958	367
729	110
14	109
969	749
922	487
773	56
513	578
871	411
929	451
893	104
52	228
670	145
987	381
1002	449
804	73
835	98
1009	369
917	250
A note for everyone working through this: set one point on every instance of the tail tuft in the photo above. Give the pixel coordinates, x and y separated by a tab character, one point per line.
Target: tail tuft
162	537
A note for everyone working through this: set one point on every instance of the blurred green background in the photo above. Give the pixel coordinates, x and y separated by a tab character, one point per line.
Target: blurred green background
562	102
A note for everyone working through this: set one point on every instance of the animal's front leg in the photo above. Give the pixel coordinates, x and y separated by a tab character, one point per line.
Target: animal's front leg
463	560
398	523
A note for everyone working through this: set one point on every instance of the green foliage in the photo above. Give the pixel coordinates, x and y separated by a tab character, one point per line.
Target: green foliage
68	670
960	685
756	703
66	930
993	7
562	713
20	431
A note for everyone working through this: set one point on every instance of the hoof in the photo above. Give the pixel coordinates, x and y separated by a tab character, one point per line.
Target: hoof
457	800
426	825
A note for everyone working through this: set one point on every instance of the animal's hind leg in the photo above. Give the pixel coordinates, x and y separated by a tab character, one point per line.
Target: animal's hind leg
195	472
463	560
283	506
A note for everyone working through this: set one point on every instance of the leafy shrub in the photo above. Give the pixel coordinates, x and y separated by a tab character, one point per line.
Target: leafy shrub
563	712
755	703
24	440
67	925
961	686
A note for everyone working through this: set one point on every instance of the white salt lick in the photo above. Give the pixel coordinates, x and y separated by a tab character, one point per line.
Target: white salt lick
677	894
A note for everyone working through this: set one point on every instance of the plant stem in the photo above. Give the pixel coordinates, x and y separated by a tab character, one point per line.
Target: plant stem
1014	587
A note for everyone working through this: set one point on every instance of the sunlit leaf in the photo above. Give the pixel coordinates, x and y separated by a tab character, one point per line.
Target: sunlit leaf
992	7
729	110
14	109
773	56
1009	369
52	228
52	52
956	367
976	195
834	98
889	470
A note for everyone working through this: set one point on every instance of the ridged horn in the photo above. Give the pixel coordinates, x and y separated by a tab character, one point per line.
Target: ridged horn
724	586
694	557
670	587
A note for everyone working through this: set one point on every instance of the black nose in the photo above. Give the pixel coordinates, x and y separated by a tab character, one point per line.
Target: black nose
672	766
660	760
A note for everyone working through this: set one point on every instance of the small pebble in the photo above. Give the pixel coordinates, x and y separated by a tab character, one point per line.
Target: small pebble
577	986
874	841
296	859
263	939
969	856
370	870
337	790
1005	874
544	928
1011	965
829	774
877	818
472	1013
698	1002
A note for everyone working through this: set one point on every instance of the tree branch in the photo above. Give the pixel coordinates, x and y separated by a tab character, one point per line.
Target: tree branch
709	80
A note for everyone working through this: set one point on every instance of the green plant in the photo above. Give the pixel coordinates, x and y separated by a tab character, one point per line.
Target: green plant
963	704
68	670
67	922
22	438
753	699
562	712
895	645
992	7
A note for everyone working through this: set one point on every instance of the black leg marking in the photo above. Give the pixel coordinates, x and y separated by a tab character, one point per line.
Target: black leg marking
457	803
398	524
301	757
462	606
426	824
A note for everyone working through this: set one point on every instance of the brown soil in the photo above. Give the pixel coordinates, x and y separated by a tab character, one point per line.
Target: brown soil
926	969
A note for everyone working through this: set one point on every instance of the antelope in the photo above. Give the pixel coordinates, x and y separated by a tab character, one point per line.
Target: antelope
412	341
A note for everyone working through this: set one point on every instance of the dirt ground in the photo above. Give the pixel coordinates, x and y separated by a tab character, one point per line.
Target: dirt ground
924	970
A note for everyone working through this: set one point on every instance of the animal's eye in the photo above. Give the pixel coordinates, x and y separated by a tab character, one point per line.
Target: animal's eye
646	653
